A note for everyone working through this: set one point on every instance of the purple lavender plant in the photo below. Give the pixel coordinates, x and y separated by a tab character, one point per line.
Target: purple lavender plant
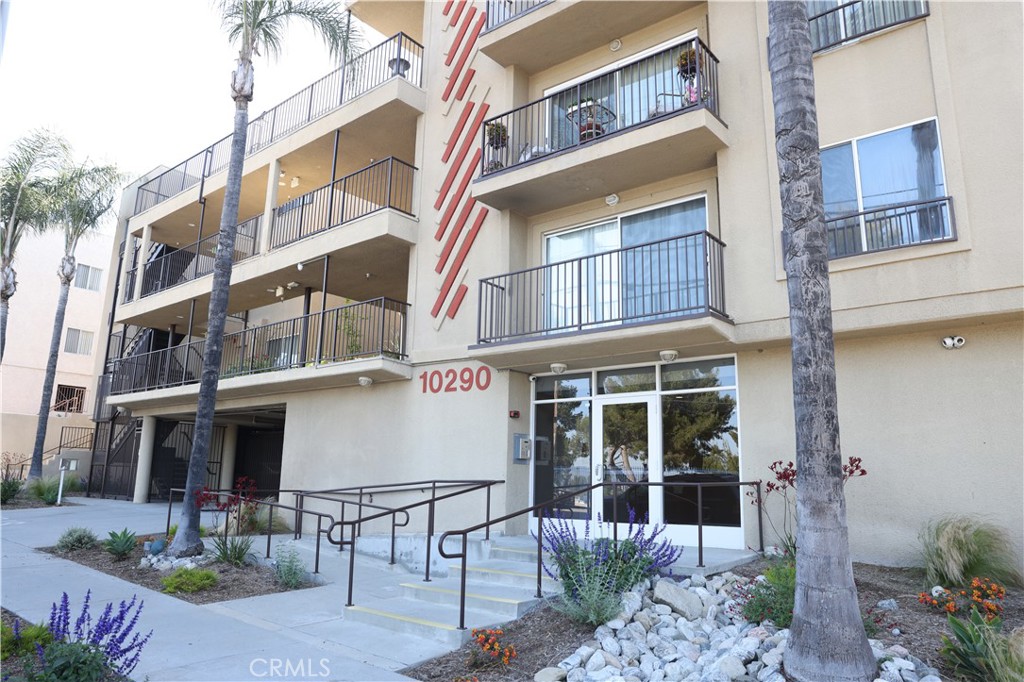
113	634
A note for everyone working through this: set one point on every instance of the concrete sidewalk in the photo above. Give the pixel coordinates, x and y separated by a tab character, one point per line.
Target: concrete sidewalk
300	635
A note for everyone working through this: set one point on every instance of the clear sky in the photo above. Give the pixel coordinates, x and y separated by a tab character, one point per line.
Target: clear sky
139	83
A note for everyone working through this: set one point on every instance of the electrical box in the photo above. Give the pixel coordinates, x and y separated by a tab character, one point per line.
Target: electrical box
521	447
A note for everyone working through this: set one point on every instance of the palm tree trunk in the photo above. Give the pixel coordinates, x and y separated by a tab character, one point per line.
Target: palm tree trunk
187	541
36	469
8	285
827	639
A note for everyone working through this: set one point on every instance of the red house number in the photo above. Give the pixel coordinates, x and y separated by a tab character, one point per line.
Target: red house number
452	381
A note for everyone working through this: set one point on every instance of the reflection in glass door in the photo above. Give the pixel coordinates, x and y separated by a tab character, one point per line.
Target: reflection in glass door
626	428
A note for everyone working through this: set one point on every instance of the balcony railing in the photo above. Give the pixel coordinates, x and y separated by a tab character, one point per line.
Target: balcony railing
375	328
385	184
502	11
852	20
196	260
653	282
891	227
681	78
399	56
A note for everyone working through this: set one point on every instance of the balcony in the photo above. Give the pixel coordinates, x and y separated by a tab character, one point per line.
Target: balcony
538	34
310	351
651	119
398	57
891	227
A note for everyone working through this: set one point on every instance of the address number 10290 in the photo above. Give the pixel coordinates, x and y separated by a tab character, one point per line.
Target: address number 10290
452	380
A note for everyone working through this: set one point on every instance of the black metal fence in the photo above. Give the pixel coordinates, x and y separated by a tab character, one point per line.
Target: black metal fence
676	277
387	183
851	20
398	57
891	227
680	78
358	330
502	11
196	260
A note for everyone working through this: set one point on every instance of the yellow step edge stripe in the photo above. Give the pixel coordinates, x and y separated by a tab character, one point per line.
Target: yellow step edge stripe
501	572
445	590
407	619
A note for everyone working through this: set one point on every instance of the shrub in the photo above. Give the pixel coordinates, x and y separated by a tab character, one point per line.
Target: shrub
771	598
189	580
492	651
203	532
233	550
22	639
979	652
986	596
958	548
595	572
70	662
290	569
10	486
120	544
45	489
74	539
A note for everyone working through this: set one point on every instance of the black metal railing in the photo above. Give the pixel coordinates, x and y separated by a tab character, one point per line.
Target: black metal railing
502	11
852	20
680	78
375	328
196	260
671	278
891	227
388	183
398	57
551	507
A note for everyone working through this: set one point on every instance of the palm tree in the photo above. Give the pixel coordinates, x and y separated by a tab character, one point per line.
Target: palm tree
827	639
23	203
79	198
255	26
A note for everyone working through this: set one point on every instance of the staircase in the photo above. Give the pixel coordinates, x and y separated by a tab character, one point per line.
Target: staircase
501	585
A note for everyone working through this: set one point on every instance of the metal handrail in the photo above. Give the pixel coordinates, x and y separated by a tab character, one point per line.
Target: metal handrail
615	485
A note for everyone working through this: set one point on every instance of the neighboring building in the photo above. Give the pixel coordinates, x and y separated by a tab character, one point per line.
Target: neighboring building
69	430
541	242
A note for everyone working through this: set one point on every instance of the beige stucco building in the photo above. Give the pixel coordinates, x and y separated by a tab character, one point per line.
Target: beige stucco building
540	242
69	429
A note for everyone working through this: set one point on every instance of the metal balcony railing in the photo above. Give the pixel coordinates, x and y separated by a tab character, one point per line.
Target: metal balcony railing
666	279
397	57
387	183
852	20
196	260
891	227
681	78
375	328
503	11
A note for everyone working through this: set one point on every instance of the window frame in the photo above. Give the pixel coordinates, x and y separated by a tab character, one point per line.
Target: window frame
94	277
845	37
78	341
72	395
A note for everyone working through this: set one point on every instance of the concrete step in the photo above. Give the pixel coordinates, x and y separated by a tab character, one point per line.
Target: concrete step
503	601
437	622
503	572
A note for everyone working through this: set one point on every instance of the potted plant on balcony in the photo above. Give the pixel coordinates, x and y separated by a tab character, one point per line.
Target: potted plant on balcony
686	64
493	165
497	135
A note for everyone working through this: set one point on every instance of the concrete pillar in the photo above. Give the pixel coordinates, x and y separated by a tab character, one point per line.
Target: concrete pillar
273	177
147	236
227	459
145	467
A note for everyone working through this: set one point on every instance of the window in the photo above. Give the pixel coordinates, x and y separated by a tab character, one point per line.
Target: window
283	352
68	464
69	399
88	277
885	191
834	22
78	342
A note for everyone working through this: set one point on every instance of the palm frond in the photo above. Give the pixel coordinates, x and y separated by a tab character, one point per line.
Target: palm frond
22	190
81	196
258	26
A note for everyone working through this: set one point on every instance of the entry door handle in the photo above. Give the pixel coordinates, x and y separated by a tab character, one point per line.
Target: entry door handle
599	471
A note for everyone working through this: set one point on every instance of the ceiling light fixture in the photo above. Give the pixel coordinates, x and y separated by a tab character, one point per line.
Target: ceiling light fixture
611	199
668	355
615	45
559	367
365	382
295	181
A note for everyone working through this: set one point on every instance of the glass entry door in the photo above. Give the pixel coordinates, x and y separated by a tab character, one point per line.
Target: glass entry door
627	453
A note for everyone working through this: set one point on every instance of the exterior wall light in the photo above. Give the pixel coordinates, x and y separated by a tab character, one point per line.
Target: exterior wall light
559	367
668	355
365	382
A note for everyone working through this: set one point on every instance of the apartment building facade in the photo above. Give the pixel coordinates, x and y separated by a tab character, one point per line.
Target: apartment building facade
540	242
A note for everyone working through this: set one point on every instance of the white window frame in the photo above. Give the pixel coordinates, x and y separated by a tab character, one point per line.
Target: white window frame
75	348
88	277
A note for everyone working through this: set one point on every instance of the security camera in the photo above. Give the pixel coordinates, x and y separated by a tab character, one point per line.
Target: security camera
533	379
953	342
959	341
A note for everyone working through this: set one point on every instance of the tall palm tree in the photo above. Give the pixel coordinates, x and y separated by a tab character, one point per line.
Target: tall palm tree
255	27
827	639
23	203
79	199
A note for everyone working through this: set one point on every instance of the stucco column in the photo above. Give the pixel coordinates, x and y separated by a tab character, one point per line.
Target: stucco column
227	460
147	236
145	467
273	177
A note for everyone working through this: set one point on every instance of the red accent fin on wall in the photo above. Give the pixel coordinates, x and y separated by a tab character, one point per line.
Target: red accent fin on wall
457	301
454	49
457	265
458	12
459	192
457	132
460	223
466	51
467	144
465	84
447	7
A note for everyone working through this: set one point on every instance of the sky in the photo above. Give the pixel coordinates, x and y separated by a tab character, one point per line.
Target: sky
138	83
